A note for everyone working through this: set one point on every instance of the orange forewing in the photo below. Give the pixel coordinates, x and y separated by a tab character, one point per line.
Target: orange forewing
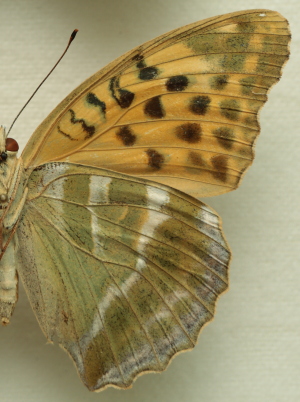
180	109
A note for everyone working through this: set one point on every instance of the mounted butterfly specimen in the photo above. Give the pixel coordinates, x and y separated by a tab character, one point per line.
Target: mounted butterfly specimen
118	263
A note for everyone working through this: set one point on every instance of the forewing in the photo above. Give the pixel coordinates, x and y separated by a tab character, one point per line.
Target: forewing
181	109
125	273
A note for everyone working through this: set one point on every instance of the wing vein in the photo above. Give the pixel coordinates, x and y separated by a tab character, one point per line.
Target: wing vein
133	231
134	251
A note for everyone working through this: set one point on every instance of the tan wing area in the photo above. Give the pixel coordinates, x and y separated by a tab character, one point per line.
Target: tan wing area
180	110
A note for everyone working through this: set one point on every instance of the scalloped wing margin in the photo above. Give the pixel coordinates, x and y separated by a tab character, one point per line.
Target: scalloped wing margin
122	271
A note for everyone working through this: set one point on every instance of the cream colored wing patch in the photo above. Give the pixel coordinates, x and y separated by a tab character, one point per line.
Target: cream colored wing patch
123	272
180	110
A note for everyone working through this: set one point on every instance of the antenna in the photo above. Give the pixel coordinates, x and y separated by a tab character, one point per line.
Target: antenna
72	37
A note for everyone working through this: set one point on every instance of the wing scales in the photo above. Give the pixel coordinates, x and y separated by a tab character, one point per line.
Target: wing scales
95	266
125	271
181	110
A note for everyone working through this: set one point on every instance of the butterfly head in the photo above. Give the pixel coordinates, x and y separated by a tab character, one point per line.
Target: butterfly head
8	146
8	157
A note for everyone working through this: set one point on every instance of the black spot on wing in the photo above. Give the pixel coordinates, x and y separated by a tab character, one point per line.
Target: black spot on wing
90	130
219	163
199	104
189	132
230	108
155	159
224	136
139	58
148	73
141	63
123	97
93	100
126	135
177	83
219	82
196	159
154	108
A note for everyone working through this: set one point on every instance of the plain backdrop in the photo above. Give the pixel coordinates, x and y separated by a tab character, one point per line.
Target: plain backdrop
250	352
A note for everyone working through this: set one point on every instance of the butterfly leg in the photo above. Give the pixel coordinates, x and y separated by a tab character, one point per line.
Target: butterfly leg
8	284
8	273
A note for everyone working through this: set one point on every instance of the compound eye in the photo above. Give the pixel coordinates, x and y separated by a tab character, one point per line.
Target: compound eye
3	156
3	197
11	145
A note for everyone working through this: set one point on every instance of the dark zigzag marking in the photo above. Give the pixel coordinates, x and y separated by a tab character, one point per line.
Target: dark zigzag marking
66	134
90	130
123	97
93	100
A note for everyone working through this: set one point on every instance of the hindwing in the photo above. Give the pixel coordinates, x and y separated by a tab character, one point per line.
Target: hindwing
122	271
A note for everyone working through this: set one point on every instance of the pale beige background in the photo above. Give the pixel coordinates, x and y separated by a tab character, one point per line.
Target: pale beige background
251	352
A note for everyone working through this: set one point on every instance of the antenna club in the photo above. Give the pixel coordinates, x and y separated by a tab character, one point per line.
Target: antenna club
73	34
72	37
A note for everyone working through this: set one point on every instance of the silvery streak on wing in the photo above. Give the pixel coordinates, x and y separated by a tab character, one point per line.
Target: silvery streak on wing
156	199
98	192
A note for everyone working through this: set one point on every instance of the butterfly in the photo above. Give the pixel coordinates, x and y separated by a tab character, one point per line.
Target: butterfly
100	215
